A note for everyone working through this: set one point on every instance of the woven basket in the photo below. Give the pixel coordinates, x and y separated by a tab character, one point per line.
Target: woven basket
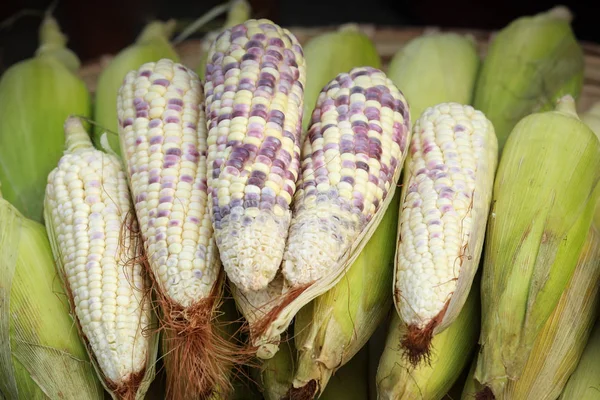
388	41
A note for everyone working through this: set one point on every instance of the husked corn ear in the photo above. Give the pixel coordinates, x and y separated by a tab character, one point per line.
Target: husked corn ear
254	94
583	384
560	344
36	96
545	195
330	54
163	141
398	379
434	68
351	164
239	11
351	159
331	329
41	354
446	197
151	45
87	203
529	65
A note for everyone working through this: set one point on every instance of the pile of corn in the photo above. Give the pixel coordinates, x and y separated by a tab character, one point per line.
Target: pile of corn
293	221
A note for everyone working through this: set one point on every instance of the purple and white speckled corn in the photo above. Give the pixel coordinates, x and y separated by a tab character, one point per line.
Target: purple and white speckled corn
163	141
446	196
354	152
254	97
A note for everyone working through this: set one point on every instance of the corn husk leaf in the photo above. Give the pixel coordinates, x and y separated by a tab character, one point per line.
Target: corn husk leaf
329	54
36	97
276	374
592	119
584	383
42	355
431	379
436	68
560	344
351	381
541	213
151	45
529	65
335	326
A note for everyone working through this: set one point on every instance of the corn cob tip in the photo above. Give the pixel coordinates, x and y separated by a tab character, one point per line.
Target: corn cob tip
485	394
76	137
306	392
561	12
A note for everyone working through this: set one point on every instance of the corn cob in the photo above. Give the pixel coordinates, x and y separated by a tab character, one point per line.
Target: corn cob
436	68
239	11
151	45
446	197
530	64
542	210
254	87
36	96
336	325
398	379
330	54
352	159
86	205
583	384
41	355
560	344
163	142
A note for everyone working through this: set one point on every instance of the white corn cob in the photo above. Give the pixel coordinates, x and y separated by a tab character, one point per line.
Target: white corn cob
254	97
87	213
163	141
446	197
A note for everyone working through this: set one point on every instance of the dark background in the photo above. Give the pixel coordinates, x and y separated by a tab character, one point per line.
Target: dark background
100	27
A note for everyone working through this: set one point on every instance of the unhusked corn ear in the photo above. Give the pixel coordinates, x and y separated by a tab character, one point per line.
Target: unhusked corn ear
41	354
529	65
331	329
87	213
254	94
560	344
151	45
351	381
583	384
398	379
446	194
36	96
434	68
351	164
544	198
164	145
239	11
592	119
330	54
274	377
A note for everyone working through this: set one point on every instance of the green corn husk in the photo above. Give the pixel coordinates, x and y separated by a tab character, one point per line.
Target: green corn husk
545	195
151	45
584	383
472	387
331	329
530	64
332	53
36	97
436	68
41	356
452	349
239	11
592	119
351	381
560	344
276	374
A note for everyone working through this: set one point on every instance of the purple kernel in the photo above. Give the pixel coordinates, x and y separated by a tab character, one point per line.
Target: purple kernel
172	120
127	122
146	74
174	151
161	82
